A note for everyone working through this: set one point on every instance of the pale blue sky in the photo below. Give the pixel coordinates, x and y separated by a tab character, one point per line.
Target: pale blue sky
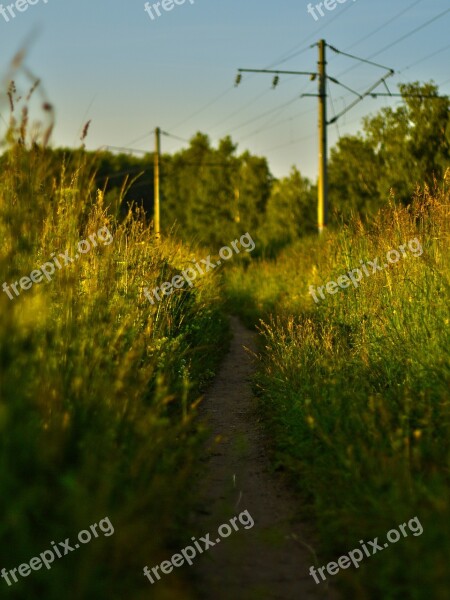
106	60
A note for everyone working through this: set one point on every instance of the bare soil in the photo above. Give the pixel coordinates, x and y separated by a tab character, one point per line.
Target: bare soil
271	560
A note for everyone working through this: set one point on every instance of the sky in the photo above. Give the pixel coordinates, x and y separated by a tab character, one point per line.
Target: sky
110	62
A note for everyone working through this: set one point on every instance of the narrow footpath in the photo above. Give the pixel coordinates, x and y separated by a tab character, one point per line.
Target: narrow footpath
271	560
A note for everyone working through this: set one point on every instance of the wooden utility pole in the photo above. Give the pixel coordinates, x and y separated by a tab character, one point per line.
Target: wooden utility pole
322	195
322	200
157	153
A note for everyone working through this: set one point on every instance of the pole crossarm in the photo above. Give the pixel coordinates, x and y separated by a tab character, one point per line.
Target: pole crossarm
277	72
428	96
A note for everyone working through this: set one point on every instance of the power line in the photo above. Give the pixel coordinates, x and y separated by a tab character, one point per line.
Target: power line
321	75
267	112
141	137
175	137
354	120
270	125
334	112
277	109
307	137
398	15
414	31
204	107
267	91
417	62
385	24
299	53
278	61
389	95
284	59
401	39
404	37
255	99
352	56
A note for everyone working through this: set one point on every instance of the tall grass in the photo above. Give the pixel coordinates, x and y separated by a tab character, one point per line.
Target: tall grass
98	387
356	392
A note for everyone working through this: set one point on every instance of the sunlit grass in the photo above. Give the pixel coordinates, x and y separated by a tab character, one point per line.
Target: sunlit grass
97	385
355	389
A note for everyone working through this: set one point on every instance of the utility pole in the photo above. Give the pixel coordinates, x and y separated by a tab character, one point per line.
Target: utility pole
322	196
157	153
322	201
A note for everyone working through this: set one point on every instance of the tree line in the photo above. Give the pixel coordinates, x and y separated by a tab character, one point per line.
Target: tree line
213	194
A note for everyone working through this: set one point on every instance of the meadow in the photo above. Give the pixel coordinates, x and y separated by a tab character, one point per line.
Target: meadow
98	387
354	390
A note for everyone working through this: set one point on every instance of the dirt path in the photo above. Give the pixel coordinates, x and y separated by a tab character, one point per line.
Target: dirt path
269	560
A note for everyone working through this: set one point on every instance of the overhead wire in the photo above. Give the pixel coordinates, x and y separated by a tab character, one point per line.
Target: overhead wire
410	33
283	58
141	137
241	108
332	108
267	112
384	24
277	110
204	107
402	38
309	47
297	141
175	137
399	40
293	52
270	125
417	62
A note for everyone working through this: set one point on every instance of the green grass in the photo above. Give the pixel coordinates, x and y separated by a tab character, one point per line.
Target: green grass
354	391
98	387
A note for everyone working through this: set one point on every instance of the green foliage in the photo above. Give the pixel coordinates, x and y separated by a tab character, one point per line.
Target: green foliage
399	149
291	212
354	169
212	194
